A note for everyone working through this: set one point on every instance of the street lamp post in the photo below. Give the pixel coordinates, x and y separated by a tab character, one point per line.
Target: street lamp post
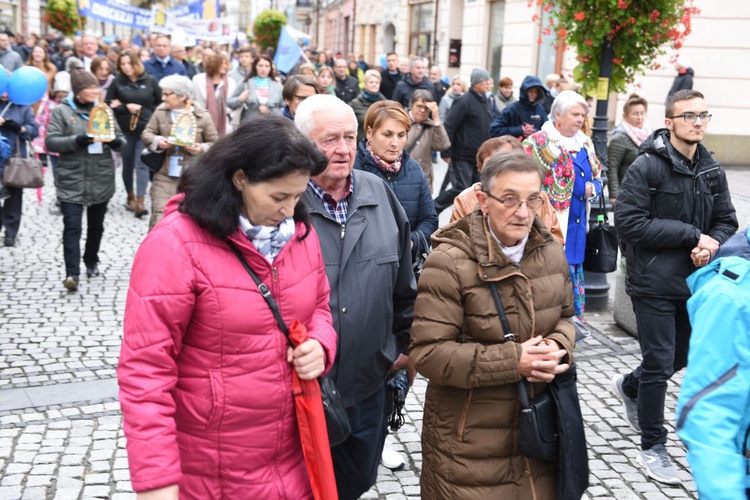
597	287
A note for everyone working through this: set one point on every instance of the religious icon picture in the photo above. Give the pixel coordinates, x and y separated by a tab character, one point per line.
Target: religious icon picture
184	129
102	123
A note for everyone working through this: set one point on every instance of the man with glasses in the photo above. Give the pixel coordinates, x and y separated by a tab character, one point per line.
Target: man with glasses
672	214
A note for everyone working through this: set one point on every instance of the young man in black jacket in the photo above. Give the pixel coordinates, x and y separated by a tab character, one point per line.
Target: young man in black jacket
390	75
672	213
468	126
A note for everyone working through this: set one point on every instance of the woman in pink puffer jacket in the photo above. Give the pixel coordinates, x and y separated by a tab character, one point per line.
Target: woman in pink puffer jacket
205	372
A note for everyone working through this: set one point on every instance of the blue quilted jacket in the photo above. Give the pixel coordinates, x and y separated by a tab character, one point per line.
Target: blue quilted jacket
410	186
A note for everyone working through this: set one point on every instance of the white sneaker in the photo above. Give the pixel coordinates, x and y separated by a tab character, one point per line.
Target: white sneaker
658	465
629	405
392	459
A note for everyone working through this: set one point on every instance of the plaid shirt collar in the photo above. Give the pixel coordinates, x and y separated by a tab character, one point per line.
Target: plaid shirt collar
339	211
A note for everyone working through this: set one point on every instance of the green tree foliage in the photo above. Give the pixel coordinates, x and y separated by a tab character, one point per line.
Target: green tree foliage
267	28
63	16
639	30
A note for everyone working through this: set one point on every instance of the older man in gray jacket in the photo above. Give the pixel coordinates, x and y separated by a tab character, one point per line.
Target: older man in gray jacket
365	238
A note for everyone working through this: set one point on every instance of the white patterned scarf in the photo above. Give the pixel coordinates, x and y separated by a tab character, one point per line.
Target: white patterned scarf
268	240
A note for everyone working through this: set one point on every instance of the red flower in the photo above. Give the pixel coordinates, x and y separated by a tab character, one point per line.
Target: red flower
616	60
588	42
621	4
580	16
632	20
562	32
535	17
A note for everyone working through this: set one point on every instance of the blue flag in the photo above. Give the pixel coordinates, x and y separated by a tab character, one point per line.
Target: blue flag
288	52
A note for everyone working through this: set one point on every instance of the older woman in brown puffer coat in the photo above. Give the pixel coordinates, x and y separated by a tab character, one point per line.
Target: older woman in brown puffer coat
470	445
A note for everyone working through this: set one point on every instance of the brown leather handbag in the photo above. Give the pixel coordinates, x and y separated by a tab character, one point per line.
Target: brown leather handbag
23	172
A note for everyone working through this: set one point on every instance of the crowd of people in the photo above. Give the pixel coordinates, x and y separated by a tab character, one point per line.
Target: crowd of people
321	181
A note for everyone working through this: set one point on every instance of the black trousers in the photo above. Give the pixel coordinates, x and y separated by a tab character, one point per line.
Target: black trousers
664	334
10	212
463	174
355	461
72	229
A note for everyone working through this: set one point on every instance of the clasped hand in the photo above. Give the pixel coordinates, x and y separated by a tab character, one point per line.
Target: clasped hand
540	360
308	359
707	247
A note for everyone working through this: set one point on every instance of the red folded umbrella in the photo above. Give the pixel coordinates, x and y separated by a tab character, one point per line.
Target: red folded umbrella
313	432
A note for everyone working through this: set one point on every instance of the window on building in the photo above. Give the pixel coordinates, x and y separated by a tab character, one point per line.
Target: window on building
495	54
422	26
550	53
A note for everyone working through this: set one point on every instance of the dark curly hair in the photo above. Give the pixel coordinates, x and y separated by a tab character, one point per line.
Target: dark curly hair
264	148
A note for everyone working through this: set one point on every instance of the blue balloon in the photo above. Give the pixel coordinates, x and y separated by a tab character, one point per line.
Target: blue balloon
3	79
27	85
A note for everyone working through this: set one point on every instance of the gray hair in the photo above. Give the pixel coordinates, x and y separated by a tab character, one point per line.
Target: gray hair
564	101
507	161
304	118
423	94
180	85
417	59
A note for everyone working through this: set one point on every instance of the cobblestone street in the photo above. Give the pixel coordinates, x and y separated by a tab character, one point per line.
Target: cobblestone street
60	425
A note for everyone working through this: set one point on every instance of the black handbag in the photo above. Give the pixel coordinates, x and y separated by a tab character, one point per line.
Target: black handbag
153	159
337	420
601	245
537	423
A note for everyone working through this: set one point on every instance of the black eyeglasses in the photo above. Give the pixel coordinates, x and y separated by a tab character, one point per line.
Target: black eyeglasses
692	117
513	203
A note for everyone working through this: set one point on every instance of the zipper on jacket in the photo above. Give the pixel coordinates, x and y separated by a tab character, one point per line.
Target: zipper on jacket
275	274
343	231
726	377
747	450
464	414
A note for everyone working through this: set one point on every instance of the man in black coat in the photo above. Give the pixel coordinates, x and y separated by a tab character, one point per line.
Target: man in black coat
347	87
390	75
672	213
468	126
416	79
684	78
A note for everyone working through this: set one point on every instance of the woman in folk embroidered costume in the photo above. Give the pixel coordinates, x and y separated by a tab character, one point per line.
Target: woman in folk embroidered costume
205	371
571	177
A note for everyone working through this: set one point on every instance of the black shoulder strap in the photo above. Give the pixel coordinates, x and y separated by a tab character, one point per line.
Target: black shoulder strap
262	288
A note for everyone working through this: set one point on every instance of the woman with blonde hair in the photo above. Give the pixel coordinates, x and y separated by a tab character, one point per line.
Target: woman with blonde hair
370	95
626	139
458	88
213	88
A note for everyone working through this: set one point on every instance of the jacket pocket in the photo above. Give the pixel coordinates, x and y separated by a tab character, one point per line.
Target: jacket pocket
668	201
217	399
464	415
726	377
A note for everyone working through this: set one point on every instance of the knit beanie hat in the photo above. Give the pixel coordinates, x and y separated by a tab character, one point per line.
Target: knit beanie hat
81	79
479	75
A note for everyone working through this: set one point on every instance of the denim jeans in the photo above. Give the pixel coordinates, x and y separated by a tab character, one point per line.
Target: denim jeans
131	160
72	229
664	334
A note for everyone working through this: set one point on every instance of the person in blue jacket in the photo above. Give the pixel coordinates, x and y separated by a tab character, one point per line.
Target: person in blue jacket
382	153
19	126
713	411
525	116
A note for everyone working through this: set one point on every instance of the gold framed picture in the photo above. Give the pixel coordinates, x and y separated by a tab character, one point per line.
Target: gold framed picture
184	129
102	123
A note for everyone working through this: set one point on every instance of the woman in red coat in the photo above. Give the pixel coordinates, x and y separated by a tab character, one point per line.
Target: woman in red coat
205	372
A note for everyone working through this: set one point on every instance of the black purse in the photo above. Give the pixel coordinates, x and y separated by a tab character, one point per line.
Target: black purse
153	159
337	420
601	245
537	423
